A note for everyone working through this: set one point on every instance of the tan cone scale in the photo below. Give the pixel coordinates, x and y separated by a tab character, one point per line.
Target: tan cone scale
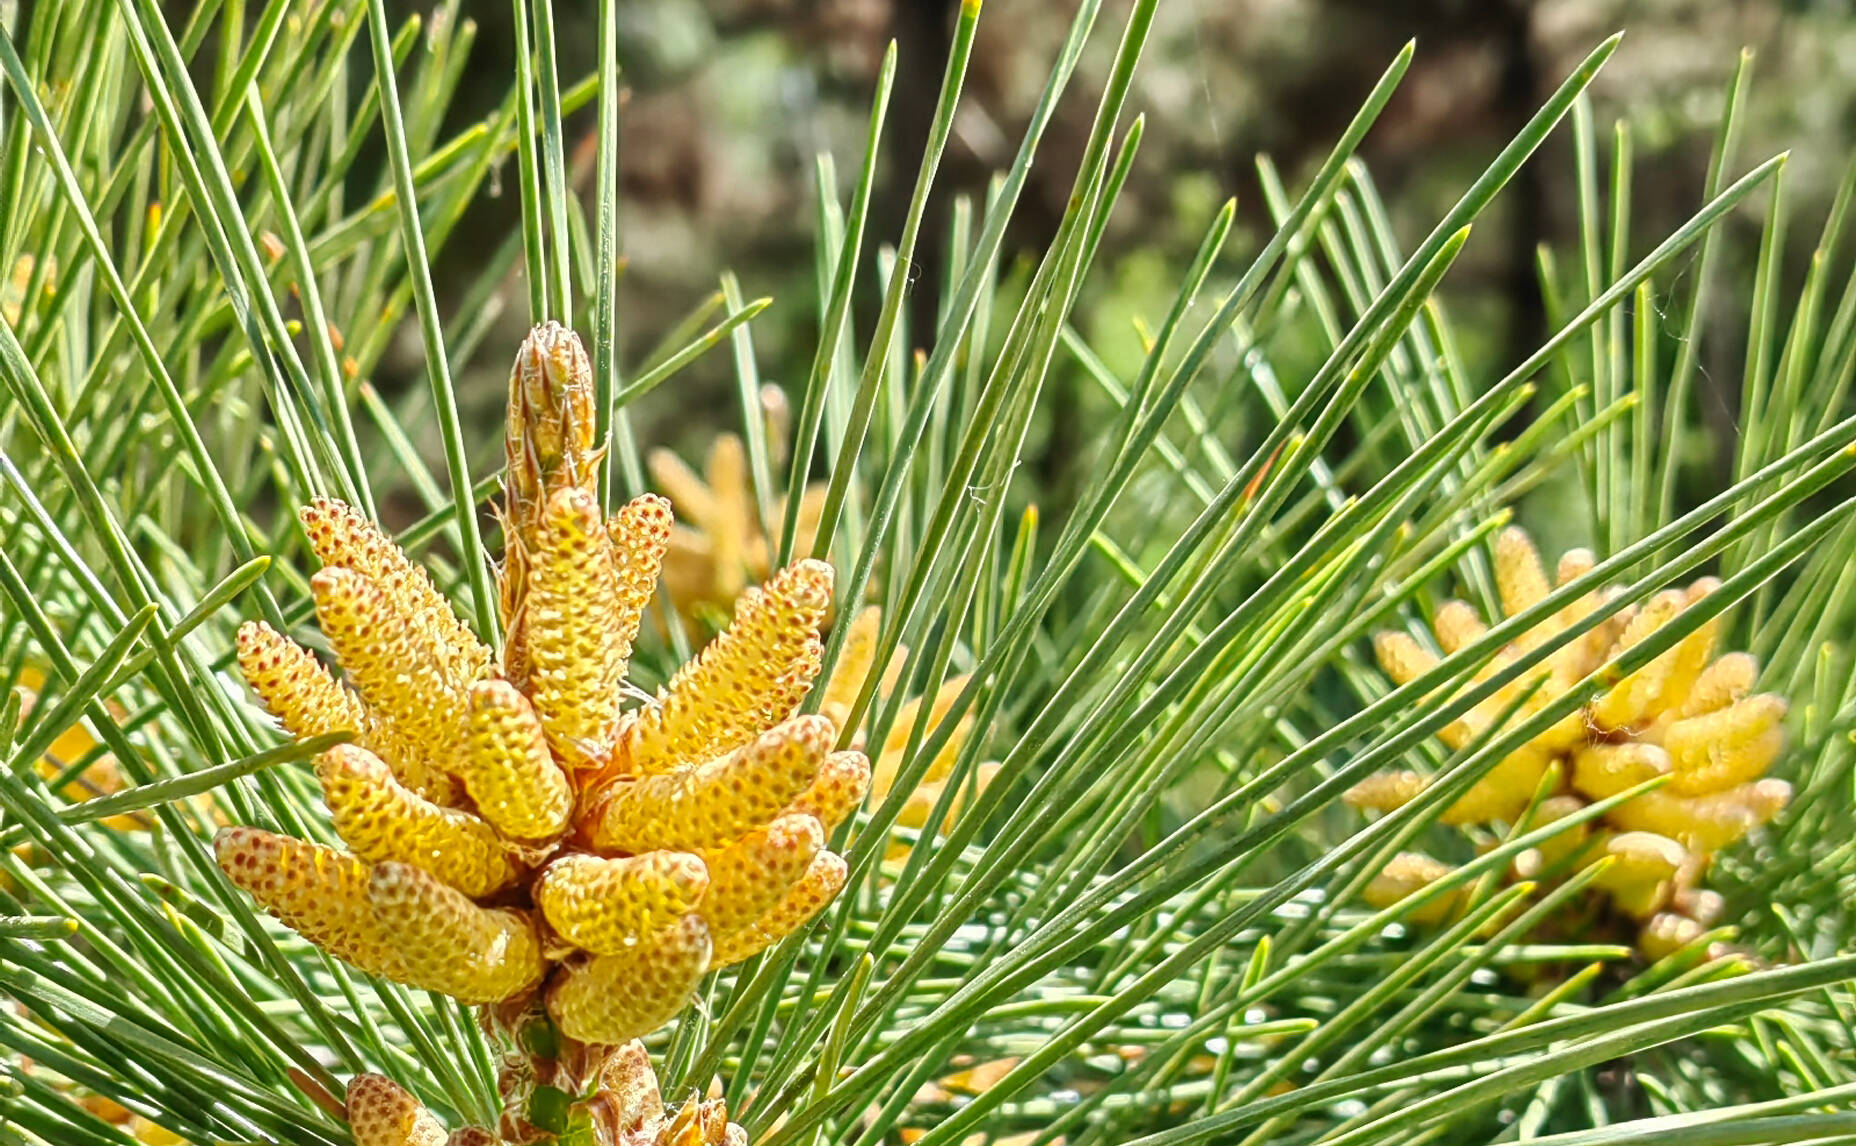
1689	715
513	831
627	1106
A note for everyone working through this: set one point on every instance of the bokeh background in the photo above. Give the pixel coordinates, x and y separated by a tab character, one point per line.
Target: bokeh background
728	102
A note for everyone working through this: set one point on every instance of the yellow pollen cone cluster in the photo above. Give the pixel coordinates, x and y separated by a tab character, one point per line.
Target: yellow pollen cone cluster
138	1128
625	1108
722	549
855	664
18	281
1689	714
513	834
102	776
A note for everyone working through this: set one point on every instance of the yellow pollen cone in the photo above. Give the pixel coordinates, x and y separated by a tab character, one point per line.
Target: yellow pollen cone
817	888
1457	626
1402	657
1640	861
791	689
1603	770
636	538
895	745
318	892
1726	680
922	800
1727	747
720	700
606	905
1634	888
448	944
381	819
1690	658
507	768
1640	695
381	1113
1385	791
748	878
1504	790
1406	874
1584	653
695	502
576	668
855	660
1707	823
394	670
342	536
294	686
732	532
843	779
614	998
1552	810
1520	580
715	804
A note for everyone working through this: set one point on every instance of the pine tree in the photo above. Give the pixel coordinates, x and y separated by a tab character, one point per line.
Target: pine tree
1104	886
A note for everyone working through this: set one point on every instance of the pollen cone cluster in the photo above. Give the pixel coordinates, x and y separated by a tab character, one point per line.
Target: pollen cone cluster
135	1126
513	834
847	682
74	745
1689	714
625	1108
722	548
18	282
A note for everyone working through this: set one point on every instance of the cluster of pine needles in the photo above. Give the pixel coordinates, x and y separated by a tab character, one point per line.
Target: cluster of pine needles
375	774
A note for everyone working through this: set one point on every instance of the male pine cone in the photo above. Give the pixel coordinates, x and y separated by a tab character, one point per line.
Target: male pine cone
512	832
1689	714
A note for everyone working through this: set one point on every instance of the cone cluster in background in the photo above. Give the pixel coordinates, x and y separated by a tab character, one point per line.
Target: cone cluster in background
720	548
855	664
514	835
102	777
1690	715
